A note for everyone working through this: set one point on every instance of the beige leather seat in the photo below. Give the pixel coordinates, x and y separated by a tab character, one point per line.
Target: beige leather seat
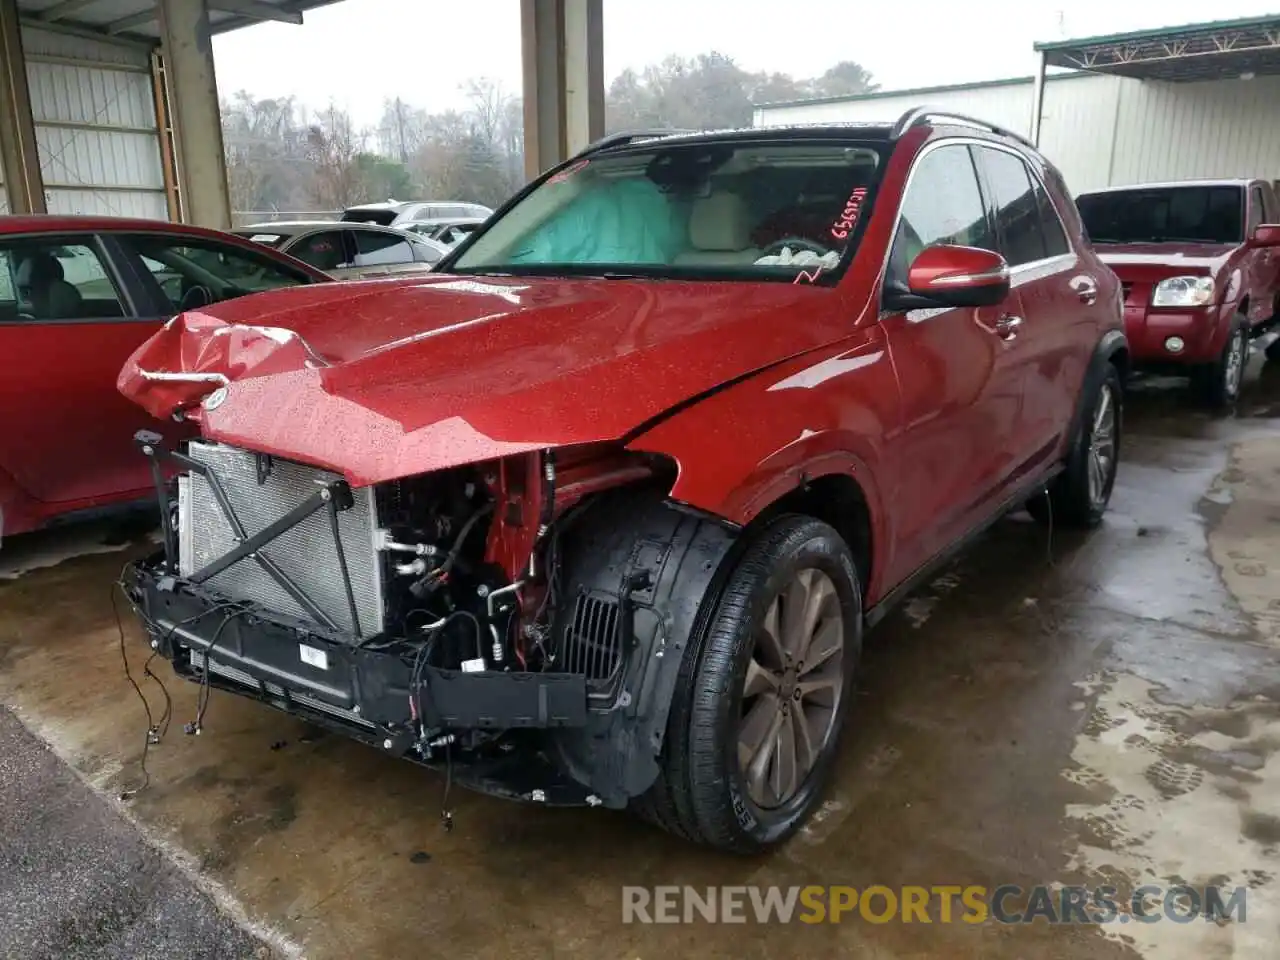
719	233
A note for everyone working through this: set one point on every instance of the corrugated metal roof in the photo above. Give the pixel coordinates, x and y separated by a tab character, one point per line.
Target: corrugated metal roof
1217	50
139	19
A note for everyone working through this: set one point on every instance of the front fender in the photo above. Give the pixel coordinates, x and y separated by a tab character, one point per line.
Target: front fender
744	447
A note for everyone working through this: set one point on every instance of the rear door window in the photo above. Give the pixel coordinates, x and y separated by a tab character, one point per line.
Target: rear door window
48	280
324	250
375	248
1018	212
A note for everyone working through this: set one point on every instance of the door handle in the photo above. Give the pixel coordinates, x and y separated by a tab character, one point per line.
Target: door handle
1085	289
1007	326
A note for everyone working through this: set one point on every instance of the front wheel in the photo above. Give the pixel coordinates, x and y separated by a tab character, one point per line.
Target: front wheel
1078	496
762	696
1219	382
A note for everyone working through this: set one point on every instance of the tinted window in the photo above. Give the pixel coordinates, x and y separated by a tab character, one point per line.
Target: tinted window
1055	235
1017	208
194	274
55	281
382	216
942	205
373	247
1155	214
324	251
1257	211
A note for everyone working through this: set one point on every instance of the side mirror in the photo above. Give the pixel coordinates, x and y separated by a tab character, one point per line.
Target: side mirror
954	276
1265	235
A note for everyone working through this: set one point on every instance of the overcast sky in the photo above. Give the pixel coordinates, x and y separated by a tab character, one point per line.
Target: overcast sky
358	52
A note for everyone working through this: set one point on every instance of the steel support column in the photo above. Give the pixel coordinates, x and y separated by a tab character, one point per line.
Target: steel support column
19	157
563	52
1037	97
191	93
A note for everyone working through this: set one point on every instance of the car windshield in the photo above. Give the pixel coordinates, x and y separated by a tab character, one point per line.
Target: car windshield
1192	214
762	210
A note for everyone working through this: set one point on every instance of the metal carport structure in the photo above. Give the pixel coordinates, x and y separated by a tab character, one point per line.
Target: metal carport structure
111	106
1219	50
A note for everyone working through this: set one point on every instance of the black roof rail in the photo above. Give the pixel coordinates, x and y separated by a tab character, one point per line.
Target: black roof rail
627	136
918	115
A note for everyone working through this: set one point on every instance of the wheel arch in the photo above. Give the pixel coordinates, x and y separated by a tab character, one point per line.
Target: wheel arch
1112	350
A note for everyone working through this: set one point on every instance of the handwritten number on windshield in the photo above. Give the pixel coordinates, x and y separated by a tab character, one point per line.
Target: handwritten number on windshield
849	216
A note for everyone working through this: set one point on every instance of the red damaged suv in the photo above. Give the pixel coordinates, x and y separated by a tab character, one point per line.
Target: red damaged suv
597	512
1199	262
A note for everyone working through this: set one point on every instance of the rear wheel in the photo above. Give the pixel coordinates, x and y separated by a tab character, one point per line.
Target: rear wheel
1218	383
1078	496
761	698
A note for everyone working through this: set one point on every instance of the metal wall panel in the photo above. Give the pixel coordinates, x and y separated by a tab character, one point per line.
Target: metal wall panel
48	43
94	111
109	203
1228	128
1102	130
1007	103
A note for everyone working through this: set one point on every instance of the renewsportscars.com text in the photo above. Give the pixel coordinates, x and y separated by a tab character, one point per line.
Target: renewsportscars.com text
941	903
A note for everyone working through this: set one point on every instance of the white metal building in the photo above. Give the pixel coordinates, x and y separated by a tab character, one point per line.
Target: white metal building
1198	101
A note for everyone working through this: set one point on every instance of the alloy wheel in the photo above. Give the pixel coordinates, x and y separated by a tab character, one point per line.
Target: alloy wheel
1234	372
1102	445
792	689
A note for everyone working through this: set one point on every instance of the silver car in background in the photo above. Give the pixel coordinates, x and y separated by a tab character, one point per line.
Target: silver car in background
396	213
349	251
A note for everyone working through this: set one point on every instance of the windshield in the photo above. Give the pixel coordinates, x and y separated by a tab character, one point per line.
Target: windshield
1165	214
749	210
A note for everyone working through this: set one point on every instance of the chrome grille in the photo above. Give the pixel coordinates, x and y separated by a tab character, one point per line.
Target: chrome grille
306	554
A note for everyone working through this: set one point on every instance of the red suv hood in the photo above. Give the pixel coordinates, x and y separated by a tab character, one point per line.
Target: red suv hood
1155	261
387	379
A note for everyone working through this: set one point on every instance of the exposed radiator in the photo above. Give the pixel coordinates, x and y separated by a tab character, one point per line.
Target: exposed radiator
306	554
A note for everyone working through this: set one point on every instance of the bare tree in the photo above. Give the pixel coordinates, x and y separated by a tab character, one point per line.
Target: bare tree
487	111
332	145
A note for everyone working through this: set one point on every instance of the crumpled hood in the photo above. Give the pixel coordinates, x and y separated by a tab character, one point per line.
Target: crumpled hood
386	379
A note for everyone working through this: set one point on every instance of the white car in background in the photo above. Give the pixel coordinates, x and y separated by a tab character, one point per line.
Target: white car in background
396	213
349	251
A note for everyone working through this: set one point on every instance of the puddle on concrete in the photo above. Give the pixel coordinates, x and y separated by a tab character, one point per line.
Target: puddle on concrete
1182	741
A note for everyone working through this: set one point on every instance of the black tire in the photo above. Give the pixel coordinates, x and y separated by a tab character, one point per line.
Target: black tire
1218	383
1072	500
701	794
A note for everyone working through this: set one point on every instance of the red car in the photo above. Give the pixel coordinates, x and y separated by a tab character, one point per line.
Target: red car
1199	262
77	297
598	512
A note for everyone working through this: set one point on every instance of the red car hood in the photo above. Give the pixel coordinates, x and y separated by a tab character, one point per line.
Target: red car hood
1154	261
387	379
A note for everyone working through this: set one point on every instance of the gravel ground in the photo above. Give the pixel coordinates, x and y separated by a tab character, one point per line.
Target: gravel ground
77	881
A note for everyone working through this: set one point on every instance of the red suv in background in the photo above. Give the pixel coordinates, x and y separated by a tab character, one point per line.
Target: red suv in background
1200	265
77	296
596	512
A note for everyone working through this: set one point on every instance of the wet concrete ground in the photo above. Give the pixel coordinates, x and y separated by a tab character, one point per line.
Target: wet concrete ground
1080	709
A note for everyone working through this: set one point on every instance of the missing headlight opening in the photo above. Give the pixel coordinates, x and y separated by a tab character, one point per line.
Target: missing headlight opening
467	618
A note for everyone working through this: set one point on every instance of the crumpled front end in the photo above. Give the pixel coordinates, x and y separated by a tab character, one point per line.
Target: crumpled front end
194	354
470	615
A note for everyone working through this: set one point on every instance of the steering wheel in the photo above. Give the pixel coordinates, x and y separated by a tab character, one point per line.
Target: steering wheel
195	297
775	249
